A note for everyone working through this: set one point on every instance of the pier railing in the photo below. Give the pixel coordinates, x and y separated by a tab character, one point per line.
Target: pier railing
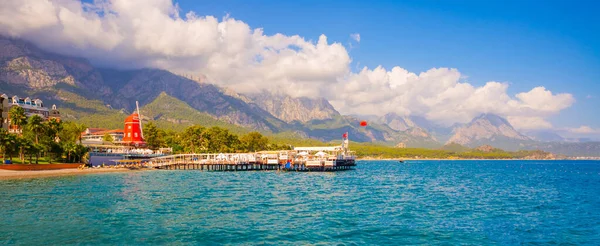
248	161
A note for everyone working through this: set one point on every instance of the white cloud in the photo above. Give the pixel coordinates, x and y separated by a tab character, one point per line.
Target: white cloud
589	97
528	123
355	37
584	130
228	52
439	95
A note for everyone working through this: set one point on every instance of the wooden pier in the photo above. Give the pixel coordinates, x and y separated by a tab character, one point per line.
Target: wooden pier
284	161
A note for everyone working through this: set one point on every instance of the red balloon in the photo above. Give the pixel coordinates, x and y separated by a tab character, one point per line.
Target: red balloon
363	123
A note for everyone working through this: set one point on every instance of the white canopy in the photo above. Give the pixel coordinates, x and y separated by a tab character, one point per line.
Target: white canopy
321	153
331	148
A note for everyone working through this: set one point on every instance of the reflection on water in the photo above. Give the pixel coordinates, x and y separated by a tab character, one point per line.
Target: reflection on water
381	202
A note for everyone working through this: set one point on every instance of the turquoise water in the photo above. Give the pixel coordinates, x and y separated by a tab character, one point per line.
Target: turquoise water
381	202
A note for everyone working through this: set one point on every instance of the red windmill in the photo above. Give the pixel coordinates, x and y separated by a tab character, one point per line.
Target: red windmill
133	129
363	123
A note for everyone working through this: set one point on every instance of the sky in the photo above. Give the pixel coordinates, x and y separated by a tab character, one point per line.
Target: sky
534	62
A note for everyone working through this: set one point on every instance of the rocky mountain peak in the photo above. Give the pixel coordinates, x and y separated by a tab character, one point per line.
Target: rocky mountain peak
493	119
486	129
289	109
397	122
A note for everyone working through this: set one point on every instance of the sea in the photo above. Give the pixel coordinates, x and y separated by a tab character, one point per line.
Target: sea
378	203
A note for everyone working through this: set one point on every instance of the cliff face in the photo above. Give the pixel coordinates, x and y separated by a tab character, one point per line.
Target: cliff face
26	66
398	123
291	109
487	129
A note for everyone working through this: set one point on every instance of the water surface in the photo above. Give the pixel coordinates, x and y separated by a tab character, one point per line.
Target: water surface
381	202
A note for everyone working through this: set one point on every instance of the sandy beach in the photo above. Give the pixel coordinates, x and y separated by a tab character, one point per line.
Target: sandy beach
9	174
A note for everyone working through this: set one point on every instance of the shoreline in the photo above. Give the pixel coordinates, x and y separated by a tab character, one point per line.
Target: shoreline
11	175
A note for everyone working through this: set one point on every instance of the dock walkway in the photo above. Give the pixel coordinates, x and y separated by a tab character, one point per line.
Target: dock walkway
248	162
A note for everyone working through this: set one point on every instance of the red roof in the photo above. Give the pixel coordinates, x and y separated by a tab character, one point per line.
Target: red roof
132	118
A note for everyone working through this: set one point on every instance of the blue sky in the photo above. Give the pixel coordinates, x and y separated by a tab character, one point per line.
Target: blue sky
555	44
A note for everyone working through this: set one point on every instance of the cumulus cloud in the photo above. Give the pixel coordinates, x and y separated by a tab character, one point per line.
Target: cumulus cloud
439	95
228	52
355	37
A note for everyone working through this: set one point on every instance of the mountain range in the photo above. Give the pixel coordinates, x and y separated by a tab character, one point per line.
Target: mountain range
102	97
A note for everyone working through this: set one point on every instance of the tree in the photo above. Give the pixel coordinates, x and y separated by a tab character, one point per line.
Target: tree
80	129
53	126
153	136
3	142
68	132
9	145
36	126
218	139
33	149
17	116
71	131
69	149
23	144
55	150
192	139
79	151
254	141
173	140
107	138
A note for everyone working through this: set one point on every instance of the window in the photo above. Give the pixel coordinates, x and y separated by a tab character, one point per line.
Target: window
128	127
135	134
129	134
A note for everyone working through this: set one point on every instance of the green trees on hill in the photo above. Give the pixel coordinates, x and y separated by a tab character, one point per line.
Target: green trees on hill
450	151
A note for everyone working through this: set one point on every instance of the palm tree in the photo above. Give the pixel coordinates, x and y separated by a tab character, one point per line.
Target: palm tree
3	142
25	148
36	149
80	129
54	126
36	126
9	144
79	151
69	148
23	144
17	117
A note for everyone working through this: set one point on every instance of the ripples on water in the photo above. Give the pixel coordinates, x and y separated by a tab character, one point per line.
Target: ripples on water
381	202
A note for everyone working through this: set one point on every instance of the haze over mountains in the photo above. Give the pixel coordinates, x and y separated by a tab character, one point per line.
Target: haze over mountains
82	90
